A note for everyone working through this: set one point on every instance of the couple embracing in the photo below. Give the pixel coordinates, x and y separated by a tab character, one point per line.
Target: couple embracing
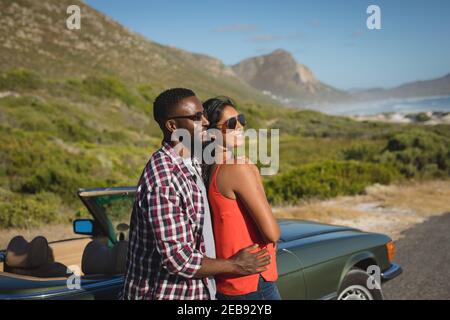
200	231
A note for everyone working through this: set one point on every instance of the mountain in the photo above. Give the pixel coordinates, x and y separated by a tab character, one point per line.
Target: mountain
279	75
34	36
435	87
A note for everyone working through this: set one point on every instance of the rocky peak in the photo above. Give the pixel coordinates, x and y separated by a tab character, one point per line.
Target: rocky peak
280	74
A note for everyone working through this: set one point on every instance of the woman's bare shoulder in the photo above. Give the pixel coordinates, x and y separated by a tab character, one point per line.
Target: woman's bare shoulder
241	166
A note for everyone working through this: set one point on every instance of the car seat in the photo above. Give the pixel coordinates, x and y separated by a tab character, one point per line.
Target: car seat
34	258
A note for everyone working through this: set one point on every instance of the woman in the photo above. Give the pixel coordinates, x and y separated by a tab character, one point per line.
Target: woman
240	212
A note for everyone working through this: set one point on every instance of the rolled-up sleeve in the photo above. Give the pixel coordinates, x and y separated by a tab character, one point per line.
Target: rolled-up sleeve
175	240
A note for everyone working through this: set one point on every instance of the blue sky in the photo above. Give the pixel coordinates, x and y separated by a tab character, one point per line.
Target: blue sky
329	36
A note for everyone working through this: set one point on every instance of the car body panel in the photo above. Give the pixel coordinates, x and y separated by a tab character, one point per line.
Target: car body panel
13	287
291	282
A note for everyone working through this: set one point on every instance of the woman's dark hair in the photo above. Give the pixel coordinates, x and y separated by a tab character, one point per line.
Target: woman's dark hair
213	109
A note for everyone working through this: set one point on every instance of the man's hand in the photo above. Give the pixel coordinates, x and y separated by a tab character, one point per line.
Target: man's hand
247	262
244	262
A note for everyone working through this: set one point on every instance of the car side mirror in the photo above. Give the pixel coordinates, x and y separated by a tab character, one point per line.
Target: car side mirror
83	226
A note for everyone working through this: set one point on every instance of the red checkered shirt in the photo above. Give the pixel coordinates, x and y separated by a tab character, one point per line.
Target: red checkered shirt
166	245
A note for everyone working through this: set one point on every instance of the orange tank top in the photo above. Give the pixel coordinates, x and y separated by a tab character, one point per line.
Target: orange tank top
234	229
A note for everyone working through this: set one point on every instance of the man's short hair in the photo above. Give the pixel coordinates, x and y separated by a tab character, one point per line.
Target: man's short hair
167	102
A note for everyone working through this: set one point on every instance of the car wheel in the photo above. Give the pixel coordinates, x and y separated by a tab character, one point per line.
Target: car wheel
355	287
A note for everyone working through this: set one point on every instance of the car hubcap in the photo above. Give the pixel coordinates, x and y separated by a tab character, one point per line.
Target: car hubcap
355	293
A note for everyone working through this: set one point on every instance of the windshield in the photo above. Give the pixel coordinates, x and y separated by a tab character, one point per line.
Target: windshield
112	209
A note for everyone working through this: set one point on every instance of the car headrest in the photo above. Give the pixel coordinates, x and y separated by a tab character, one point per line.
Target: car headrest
27	255
98	258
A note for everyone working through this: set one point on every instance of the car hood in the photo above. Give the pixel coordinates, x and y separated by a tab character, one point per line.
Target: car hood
299	229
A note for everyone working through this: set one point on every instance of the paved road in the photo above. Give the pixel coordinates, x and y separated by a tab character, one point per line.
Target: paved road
424	254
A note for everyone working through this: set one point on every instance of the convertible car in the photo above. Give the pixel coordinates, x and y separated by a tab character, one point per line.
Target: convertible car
315	261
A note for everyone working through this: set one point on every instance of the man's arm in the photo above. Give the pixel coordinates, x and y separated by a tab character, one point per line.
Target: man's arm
244	262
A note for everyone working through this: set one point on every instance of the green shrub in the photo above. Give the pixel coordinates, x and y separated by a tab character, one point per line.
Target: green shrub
361	152
422	117
71	129
57	179
147	92
327	179
27	211
109	88
418	153
35	163
19	79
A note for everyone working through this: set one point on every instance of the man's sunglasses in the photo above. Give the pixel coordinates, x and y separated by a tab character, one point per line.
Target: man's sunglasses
194	117
232	122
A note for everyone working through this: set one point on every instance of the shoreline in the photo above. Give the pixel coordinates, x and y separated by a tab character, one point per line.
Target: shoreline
425	117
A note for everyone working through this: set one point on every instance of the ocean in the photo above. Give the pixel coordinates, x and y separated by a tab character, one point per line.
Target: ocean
404	106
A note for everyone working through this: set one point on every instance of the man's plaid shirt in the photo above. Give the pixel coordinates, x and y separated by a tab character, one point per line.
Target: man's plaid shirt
166	244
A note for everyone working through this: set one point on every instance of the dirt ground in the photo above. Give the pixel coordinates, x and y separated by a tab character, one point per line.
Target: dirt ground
385	209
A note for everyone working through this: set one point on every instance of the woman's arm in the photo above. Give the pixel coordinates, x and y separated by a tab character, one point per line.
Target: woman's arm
245	181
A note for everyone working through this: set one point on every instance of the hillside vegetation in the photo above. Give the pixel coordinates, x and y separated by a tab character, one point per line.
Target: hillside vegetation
60	135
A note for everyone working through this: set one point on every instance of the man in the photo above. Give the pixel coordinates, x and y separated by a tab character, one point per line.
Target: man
166	255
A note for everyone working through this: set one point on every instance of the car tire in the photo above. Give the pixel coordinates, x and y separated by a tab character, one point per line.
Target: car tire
355	287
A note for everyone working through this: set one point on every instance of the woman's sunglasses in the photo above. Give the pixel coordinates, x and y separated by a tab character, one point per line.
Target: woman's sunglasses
232	122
